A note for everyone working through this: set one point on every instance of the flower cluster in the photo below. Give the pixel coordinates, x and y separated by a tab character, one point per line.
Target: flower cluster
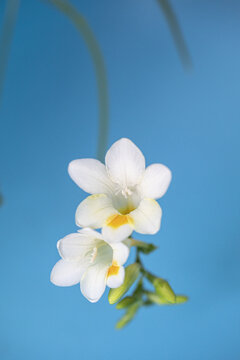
123	200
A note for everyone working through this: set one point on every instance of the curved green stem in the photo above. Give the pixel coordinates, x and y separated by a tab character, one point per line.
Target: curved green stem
81	24
9	21
8	26
176	32
144	272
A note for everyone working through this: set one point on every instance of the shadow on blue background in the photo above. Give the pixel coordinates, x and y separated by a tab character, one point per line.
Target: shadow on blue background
188	121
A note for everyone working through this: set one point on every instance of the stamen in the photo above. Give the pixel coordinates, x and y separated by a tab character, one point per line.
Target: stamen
126	192
93	255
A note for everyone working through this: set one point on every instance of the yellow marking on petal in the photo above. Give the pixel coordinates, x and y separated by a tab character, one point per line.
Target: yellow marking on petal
117	220
113	270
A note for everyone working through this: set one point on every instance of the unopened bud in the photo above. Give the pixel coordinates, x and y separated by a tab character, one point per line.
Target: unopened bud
131	274
128	316
125	302
164	290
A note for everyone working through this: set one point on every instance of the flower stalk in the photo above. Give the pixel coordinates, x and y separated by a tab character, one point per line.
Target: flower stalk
162	293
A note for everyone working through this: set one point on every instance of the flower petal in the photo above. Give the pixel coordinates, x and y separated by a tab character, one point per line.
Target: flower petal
115	276
93	282
94	210
76	246
91	176
125	163
147	217
66	273
155	181
90	233
120	253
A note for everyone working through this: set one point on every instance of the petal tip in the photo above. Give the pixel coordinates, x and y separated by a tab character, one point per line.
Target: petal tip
71	167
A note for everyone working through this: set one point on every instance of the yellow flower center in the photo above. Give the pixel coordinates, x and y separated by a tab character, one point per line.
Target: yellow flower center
117	220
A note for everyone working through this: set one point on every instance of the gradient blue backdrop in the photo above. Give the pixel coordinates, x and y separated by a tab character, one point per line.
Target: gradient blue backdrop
188	121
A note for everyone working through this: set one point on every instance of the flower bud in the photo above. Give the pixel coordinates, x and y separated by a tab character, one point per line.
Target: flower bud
164	290
180	299
131	274
129	315
125	302
156	299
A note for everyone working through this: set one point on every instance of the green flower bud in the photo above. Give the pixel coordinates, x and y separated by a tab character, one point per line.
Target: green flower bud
180	299
131	274
125	302
164	290
156	299
129	315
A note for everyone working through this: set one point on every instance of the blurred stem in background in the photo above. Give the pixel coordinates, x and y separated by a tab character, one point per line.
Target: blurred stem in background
9	21
176	33
1	199
81	24
86	32
7	29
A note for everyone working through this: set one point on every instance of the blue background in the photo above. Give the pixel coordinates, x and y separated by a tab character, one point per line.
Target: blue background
189	121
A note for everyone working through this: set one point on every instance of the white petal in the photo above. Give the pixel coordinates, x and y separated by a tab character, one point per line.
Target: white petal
120	253
114	235
76	246
90	175
114	281
66	273
155	181
125	163
91	233
93	282
94	210
147	217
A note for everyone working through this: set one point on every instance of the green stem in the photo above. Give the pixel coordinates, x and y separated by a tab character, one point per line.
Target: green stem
176	33
138	243
138	260
148	275
81	24
144	272
9	22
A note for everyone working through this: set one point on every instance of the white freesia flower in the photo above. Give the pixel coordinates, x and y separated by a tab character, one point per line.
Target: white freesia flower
88	259
124	192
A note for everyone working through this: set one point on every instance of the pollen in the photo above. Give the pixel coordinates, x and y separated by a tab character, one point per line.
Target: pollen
113	270
117	220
